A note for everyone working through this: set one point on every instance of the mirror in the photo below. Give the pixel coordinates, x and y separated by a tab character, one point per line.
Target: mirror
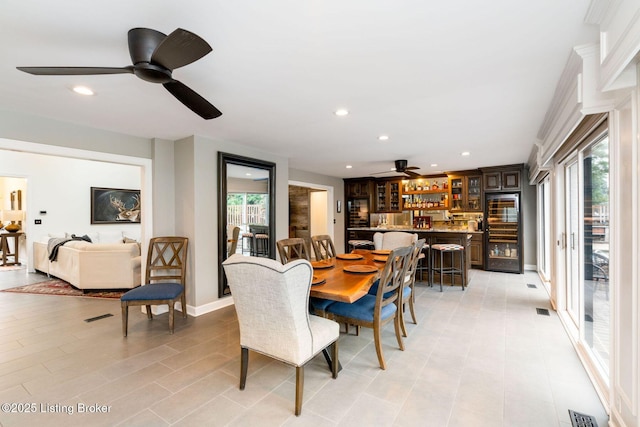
246	200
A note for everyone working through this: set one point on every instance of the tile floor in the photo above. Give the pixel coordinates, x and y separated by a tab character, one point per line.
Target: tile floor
481	357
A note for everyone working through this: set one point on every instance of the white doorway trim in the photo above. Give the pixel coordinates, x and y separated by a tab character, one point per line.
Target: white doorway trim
146	177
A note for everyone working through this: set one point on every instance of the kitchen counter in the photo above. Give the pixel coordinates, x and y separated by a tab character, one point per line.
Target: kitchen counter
414	230
432	236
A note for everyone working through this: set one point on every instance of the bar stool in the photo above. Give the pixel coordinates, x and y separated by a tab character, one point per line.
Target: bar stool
360	244
425	258
453	250
248	236
260	242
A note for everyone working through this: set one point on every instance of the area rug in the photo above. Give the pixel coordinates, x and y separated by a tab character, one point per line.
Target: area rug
60	287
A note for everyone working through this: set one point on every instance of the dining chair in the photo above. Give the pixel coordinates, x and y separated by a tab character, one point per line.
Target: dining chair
271	304
233	233
296	248
408	291
393	239
292	249
375	311
164	279
323	247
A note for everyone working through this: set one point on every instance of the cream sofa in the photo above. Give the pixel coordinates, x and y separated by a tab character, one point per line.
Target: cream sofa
92	265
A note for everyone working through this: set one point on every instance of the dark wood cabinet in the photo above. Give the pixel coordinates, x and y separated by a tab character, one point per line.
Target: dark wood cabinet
388	196
504	178
476	250
359	188
465	193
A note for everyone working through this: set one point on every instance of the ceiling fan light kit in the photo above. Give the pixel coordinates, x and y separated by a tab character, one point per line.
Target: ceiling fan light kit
154	56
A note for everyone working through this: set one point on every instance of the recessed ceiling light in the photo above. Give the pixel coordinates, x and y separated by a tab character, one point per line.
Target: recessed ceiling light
349	166
465	153
383	137
341	112
434	165
247	174
82	90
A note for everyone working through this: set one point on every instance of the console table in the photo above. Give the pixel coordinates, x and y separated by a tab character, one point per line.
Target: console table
5	247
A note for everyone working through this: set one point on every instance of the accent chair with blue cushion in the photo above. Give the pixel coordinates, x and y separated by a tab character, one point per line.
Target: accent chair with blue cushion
271	302
375	311
164	281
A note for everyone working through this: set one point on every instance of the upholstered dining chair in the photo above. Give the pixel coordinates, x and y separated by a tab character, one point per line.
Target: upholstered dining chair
293	248
233	233
323	247
393	239
271	303
164	280
375	311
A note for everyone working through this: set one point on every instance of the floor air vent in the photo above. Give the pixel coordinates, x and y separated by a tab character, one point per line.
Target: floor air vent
103	316
582	420
531	285
542	311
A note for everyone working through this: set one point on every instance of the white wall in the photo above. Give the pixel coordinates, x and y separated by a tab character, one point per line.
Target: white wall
318	212
61	187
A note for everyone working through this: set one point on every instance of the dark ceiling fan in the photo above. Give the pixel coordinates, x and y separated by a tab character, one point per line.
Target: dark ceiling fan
154	56
401	167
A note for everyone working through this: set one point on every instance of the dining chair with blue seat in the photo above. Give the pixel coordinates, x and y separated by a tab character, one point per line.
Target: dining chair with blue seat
296	248
375	311
408	288
164	280
270	299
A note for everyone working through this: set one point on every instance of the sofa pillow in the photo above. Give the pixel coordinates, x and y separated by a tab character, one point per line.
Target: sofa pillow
131	235
57	235
110	237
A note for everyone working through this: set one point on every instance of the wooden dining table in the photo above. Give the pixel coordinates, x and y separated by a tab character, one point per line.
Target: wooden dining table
344	286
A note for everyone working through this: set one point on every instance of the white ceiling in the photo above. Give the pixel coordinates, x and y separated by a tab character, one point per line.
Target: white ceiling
438	77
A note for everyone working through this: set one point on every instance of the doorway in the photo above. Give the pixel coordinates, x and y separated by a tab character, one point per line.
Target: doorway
13	191
310	211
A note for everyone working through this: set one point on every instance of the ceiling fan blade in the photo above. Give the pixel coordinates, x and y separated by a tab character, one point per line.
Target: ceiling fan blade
180	48
191	99
412	174
75	71
411	168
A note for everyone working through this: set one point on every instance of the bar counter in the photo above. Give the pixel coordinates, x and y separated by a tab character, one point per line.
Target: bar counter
432	237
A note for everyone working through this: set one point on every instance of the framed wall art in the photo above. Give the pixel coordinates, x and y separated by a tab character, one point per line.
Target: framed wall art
114	206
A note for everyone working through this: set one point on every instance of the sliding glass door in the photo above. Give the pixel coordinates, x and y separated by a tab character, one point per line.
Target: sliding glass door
571	237
595	249
586	243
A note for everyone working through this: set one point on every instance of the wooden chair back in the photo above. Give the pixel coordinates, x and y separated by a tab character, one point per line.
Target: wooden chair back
167	260
292	249
323	247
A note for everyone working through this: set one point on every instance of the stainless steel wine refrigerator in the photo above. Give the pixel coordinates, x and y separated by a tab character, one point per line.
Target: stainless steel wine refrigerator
503	232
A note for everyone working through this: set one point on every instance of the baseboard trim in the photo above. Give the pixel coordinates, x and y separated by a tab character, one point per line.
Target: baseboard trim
191	310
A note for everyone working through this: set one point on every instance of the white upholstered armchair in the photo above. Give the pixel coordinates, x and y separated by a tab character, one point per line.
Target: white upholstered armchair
271	300
393	239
